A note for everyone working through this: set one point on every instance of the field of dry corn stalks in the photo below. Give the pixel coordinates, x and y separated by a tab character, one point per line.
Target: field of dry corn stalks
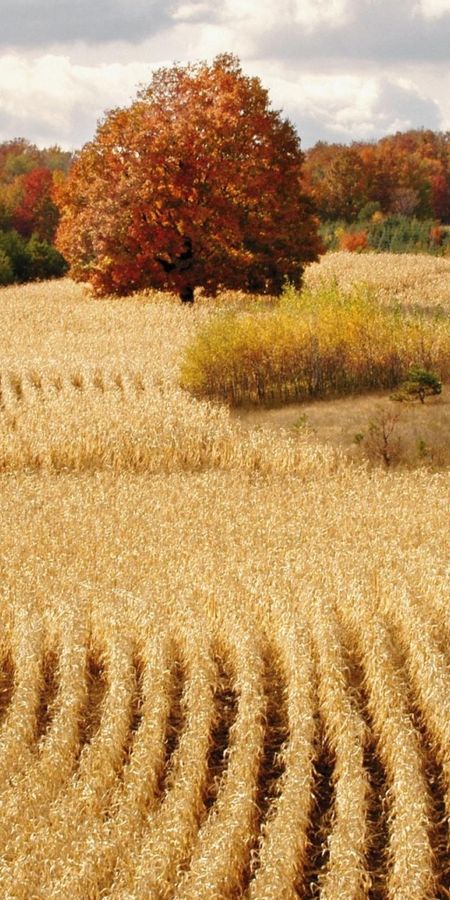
224	653
410	279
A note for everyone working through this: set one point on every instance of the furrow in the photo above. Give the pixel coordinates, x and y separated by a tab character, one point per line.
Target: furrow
282	848
410	873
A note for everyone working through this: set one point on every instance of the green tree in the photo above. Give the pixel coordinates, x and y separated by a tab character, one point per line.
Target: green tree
6	269
419	384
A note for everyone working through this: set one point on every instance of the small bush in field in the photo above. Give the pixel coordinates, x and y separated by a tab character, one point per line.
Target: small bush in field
381	442
354	242
6	269
419	384
437	235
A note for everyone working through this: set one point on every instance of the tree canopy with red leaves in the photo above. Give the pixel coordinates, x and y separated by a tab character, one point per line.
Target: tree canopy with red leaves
405	173
27	177
196	184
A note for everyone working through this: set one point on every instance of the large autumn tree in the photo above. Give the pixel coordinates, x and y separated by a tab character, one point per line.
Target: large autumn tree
197	183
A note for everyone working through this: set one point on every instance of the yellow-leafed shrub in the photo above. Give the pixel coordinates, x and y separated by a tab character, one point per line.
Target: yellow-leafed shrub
323	342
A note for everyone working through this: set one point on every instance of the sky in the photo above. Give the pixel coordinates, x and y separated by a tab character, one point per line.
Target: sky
340	70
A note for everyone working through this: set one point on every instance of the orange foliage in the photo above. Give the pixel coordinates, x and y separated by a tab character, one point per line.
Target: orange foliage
36	212
406	173
197	183
26	187
353	241
436	235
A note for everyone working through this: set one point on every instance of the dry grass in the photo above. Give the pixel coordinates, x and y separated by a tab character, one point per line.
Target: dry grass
224	652
421	432
407	278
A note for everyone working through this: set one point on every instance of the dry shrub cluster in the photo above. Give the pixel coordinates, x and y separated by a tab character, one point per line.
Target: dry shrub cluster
317	343
218	680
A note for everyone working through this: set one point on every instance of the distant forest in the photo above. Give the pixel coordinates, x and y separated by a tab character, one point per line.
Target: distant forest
28	213
406	174
391	194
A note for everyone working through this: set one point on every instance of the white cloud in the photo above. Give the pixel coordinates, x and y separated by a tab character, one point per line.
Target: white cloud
343	107
321	60
314	13
433	9
51	99
344	104
257	18
61	99
186	12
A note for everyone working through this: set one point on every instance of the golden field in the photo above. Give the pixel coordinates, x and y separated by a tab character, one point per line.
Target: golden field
411	279
225	665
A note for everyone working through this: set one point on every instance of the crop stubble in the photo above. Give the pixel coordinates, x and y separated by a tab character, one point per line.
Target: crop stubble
224	656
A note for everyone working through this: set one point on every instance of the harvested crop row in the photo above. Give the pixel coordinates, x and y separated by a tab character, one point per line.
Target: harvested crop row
283	842
143	431
195	775
53	758
346	874
221	853
19	724
411	860
19	387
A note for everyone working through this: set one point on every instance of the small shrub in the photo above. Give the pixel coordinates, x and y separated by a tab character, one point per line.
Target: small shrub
381	443
369	210
423	450
354	242
419	384
6	269
45	260
32	260
437	235
15	248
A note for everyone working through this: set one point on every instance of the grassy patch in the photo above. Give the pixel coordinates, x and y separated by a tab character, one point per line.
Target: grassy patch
355	424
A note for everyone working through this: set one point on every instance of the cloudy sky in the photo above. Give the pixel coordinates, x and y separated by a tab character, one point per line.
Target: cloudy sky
341	70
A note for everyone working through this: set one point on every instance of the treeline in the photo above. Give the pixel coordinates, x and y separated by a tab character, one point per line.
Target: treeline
28	213
406	174
389	234
392	194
